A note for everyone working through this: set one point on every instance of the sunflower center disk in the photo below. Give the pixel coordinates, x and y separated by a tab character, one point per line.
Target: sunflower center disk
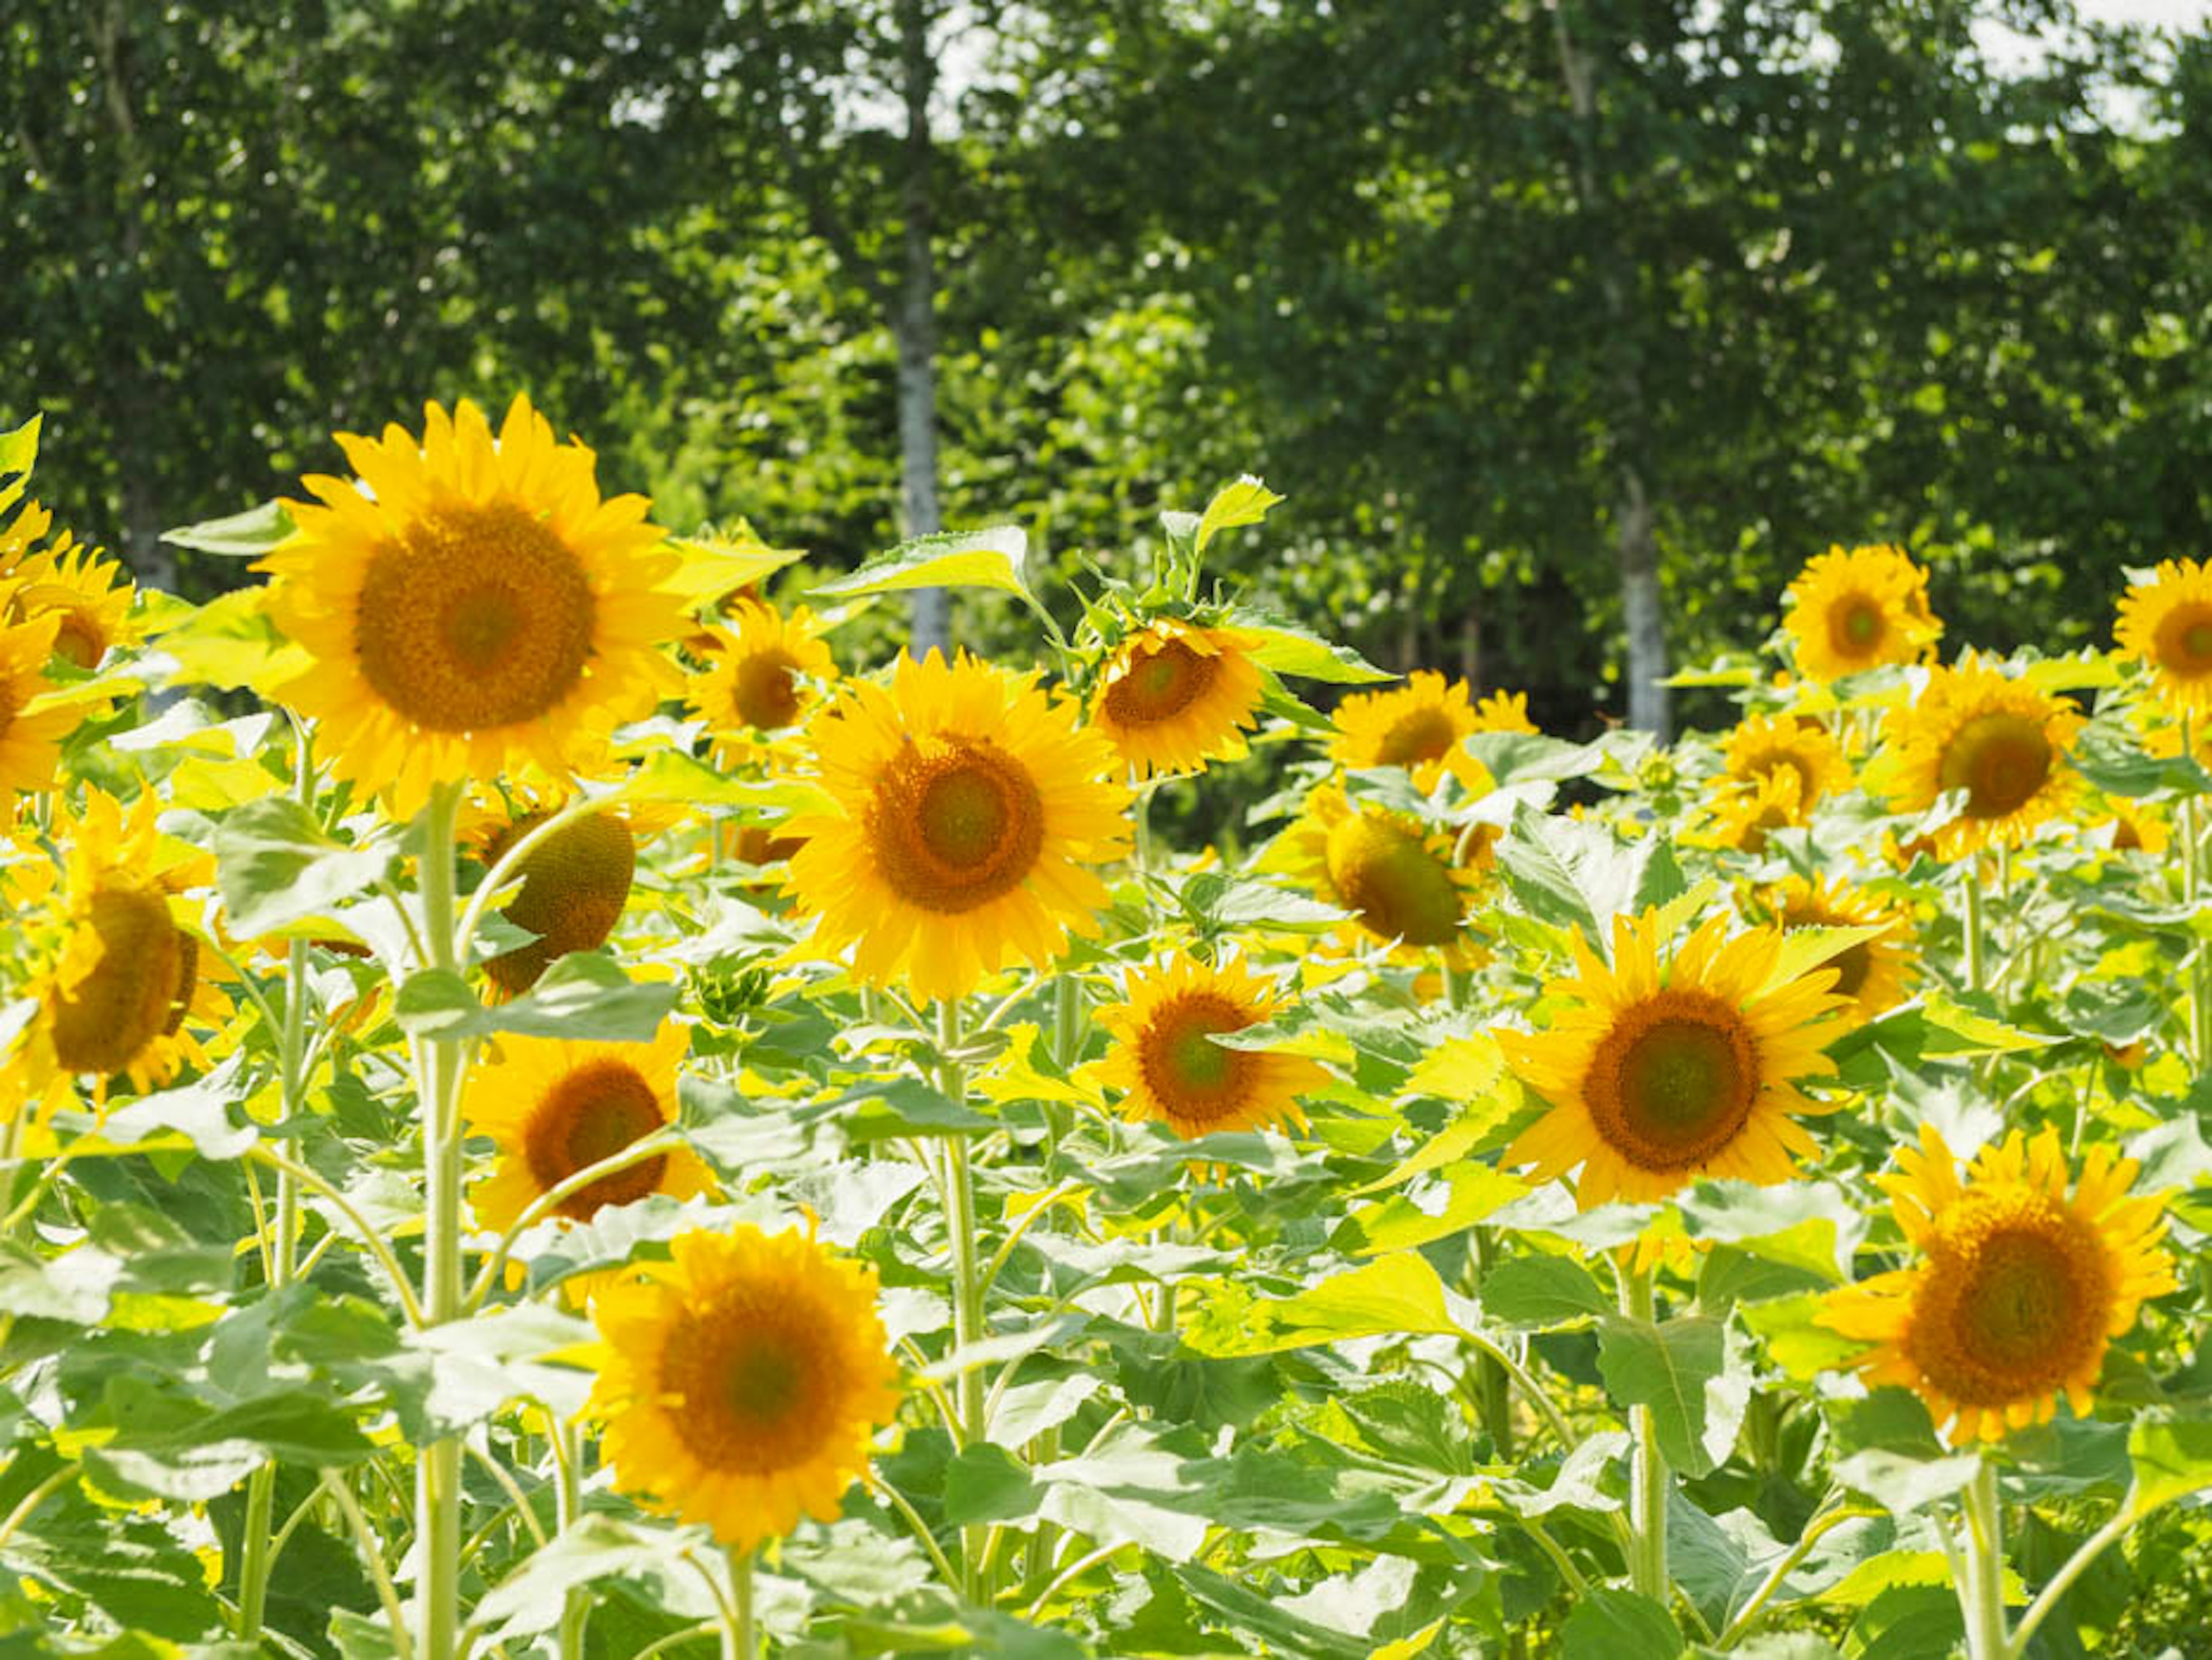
479	617
2015	1302
1672	1085
1398	889
767	696
1855	625
956	829
134	992
2184	642
574	888
1195	1078
593	1114
2000	760
1161	682
1425	734
756	1383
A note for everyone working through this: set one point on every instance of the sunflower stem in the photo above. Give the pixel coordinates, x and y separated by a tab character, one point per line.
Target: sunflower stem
1976	970
968	1326
738	1641
2192	883
440	1065
1494	1396
1140	814
569	1503
1648	1480
1981	1594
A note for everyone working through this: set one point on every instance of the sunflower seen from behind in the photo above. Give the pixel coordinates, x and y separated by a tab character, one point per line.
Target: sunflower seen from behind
741	1384
1397	878
1174	696
1171	1072
972	812
2165	624
1864	609
1999	739
1669	1066
472	607
574	883
2019	1287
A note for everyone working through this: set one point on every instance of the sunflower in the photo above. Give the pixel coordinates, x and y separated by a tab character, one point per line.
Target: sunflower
472	605
1668	1071
1165	1058
972	810
1999	739
85	595
1397	878
554	1108
2136	827
2166	623
1421	726
2019	1288
125	983
30	744
1762	747
759	682
1873	974
741	1384
574	883
1857	611
1174	695
1742	814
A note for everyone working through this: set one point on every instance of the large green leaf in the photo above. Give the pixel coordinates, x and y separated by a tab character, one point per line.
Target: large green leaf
245	535
1620	1625
987	558
274	866
1680	1370
1396	1294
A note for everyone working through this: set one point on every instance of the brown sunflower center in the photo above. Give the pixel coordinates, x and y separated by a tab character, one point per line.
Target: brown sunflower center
475	617
1163	679
1390	880
2015	1300
767	691
1422	734
1671	1084
1855	625
754	1380
957	828
134	992
593	1113
2184	641
1194	1078
1999	759
574	888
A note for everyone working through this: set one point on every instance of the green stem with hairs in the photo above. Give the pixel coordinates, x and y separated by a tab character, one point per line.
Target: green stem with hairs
967	1323
1976	968
1981	1589
1648	1476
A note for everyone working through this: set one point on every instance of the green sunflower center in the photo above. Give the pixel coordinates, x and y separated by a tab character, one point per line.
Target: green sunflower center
955	830
1194	1078
1999	759
1671	1084
2183	643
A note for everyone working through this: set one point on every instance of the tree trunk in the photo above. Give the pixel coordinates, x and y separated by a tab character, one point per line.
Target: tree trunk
1626	421
1470	643
914	323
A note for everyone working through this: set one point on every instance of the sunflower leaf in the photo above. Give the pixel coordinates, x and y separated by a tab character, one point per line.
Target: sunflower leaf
987	558
274	866
245	535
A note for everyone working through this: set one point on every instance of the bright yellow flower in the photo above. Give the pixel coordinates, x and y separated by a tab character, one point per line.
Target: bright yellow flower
1997	738
972	813
742	1383
1857	611
1876	973
1174	695
2167	624
758	684
473	607
1396	877
1421	726
1742	814
30	744
2136	826
1761	746
85	595
1670	1070
2019	1289
1171	1071
554	1108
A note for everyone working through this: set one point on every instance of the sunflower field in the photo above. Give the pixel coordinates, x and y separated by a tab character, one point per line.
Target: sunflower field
553	1110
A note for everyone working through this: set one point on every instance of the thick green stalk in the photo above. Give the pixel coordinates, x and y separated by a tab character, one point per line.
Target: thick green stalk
1976	972
1648	1478
968	1325
739	1640
568	1501
1493	1396
1981	1591
440	1065
2192	884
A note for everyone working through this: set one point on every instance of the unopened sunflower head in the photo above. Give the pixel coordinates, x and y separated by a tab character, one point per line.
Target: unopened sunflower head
2018	1288
1859	609
1667	1065
1174	696
472	605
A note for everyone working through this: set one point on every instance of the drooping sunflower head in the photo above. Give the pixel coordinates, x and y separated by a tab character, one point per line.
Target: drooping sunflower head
127	981
30	743
1669	1067
763	679
85	593
1851	611
1174	695
574	884
2020	1287
555	1108
1397	878
1760	747
1164	1059
1999	739
741	1385
472	605
1874	974
2166	624
972	812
